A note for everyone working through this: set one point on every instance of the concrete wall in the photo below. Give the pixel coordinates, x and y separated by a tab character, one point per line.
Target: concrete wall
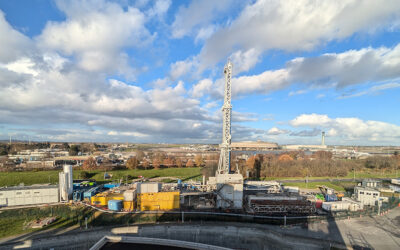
227	235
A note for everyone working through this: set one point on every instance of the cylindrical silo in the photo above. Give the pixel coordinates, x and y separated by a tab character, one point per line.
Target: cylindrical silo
63	186
69	185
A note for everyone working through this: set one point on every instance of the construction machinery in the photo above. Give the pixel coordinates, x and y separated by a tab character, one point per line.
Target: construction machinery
330	194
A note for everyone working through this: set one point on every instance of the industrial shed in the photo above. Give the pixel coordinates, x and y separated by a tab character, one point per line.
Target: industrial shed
28	195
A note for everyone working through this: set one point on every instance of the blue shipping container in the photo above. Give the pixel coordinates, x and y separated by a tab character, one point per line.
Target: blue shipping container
115	205
330	197
111	185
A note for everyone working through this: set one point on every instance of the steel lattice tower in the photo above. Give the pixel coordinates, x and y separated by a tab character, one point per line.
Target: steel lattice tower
224	165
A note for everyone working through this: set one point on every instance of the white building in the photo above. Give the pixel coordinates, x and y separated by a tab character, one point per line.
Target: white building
395	186
346	204
229	189
28	195
371	183
366	195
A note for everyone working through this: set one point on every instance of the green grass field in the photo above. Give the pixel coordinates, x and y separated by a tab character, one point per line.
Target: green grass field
12	222
338	186
350	175
32	177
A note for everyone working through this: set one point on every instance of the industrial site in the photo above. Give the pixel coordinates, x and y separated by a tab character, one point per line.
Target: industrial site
199	124
223	193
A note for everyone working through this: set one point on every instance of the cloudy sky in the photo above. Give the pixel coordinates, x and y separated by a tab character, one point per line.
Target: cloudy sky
152	71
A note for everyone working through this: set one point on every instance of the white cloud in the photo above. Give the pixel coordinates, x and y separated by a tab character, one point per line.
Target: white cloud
325	71
297	25
112	132
211	105
205	33
13	44
298	92
277	131
202	87
311	120
263	83
159	9
23	66
95	33
306	133
181	68
196	15
373	90
244	61
350	129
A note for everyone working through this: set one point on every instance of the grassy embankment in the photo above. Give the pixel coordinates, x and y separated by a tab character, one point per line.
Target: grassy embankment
13	222
32	177
338	186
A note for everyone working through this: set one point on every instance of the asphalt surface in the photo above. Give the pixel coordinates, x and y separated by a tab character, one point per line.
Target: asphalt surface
376	232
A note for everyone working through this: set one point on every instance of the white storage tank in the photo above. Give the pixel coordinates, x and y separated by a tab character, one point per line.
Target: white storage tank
65	183
68	171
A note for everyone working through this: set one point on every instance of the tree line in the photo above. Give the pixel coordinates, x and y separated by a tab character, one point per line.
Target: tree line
288	164
321	163
154	160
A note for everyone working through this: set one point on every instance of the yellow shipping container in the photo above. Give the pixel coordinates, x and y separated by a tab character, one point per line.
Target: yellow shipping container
129	205
102	198
158	201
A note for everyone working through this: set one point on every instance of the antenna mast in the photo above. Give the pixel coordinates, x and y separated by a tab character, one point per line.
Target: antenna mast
224	165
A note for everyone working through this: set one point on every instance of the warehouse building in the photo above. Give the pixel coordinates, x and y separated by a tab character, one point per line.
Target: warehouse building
28	195
39	194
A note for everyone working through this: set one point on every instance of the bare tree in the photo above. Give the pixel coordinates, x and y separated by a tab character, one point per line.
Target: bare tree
190	163
199	160
132	163
90	164
178	163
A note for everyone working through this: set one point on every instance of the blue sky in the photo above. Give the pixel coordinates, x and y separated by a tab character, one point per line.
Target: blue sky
151	71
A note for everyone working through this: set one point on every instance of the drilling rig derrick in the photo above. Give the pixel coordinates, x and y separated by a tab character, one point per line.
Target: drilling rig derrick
224	165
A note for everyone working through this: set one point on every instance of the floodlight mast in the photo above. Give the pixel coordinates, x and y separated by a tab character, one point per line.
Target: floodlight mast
224	165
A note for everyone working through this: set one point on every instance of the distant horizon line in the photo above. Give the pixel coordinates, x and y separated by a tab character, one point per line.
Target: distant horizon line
190	143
